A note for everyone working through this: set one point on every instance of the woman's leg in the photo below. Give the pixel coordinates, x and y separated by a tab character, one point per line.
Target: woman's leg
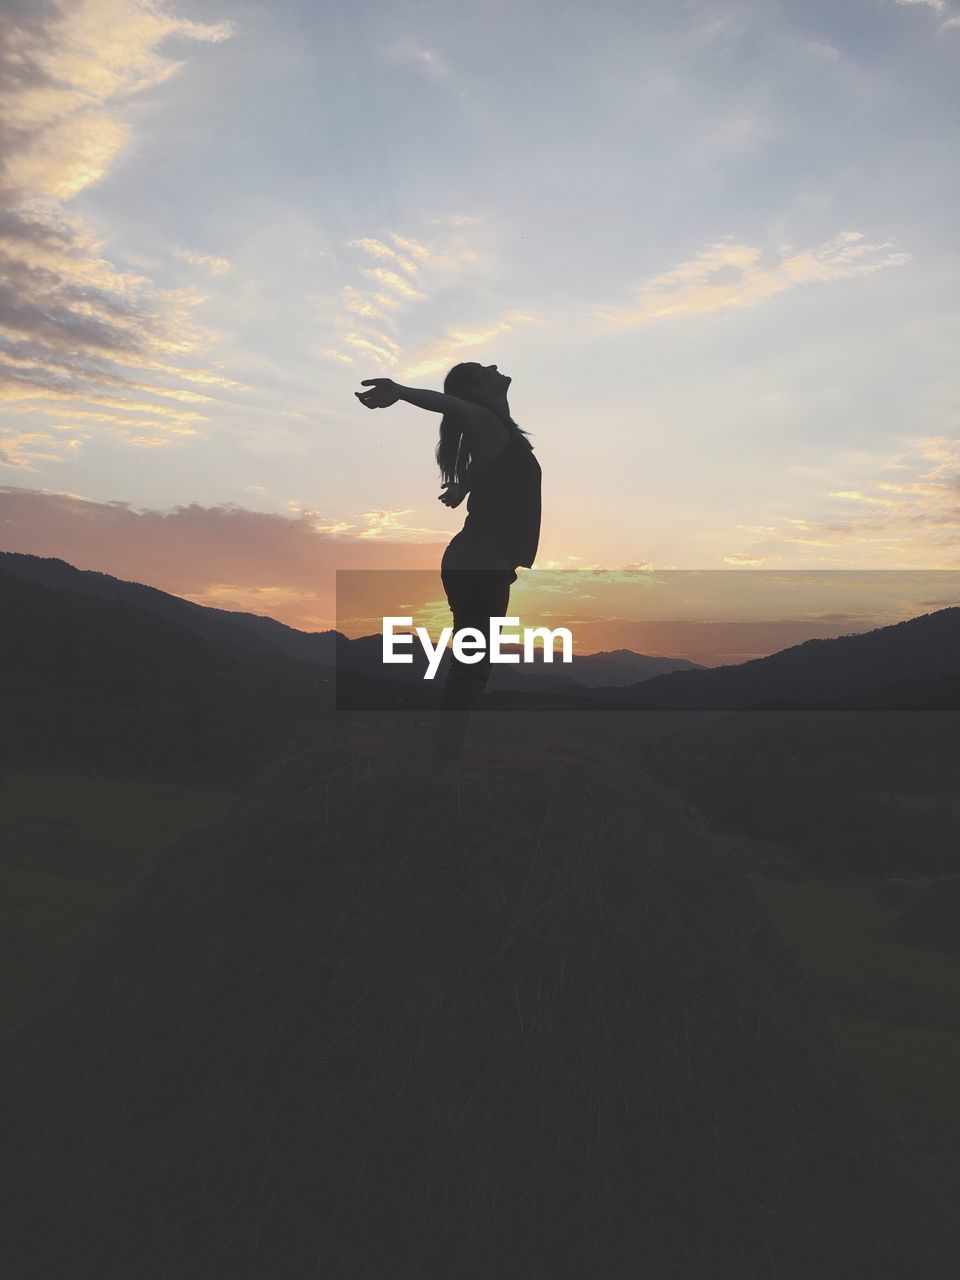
475	596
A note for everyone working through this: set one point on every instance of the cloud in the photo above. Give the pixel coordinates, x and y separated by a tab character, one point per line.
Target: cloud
361	308
457	341
909	523
390	280
380	345
280	564
949	14
381	324
736	275
389	525
854	495
21	449
380	250
419	250
425	60
375	306
82	340
745	560
67	63
215	266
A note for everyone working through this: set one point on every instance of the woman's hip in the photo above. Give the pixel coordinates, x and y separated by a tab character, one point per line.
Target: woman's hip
465	554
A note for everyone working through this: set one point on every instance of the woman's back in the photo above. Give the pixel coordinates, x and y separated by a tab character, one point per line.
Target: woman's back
504	503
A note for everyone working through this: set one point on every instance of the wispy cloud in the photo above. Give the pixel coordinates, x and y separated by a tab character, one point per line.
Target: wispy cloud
377	249
389	525
739	275
382	323
21	449
744	560
215	266
949	14
395	283
425	60
911	523
365	312
456	342
83	341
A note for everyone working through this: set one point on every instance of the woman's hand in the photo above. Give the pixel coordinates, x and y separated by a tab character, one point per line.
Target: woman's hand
384	393
454	495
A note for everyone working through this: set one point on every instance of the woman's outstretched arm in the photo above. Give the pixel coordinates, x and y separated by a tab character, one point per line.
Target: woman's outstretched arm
386	392
484	431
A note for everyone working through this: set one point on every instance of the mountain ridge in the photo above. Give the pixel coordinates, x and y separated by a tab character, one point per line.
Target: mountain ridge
244	631
914	654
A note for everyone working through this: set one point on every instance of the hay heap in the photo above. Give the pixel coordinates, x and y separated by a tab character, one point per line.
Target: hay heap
931	915
517	1023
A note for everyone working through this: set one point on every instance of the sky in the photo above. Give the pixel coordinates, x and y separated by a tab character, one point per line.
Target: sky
713	244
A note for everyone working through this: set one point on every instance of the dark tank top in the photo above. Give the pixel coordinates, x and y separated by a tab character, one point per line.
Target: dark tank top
504	503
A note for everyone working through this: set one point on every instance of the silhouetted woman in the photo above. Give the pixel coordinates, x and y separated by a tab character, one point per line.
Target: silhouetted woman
482	452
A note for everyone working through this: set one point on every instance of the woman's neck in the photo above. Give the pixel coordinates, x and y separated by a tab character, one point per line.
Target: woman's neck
499	405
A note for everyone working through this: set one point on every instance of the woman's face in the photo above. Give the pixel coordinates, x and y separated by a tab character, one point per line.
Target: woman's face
490	380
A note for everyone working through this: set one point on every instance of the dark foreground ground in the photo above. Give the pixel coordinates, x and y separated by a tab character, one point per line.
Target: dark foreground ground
73	846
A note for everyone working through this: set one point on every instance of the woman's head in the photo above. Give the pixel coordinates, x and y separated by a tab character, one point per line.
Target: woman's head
481	384
478	383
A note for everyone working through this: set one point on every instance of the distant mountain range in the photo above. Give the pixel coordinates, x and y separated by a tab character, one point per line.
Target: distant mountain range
915	663
894	665
238	632
585	671
247	633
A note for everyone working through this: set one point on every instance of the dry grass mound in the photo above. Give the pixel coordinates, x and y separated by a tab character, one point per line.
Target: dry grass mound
516	1022
931	915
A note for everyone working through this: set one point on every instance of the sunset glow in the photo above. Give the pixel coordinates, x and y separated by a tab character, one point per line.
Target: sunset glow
713	246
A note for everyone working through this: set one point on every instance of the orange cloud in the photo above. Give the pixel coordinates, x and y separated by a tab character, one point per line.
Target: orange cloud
280	565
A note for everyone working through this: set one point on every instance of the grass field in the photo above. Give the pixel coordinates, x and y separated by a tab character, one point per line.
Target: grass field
72	846
897	1010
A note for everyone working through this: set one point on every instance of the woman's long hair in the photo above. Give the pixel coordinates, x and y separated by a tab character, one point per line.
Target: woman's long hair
453	455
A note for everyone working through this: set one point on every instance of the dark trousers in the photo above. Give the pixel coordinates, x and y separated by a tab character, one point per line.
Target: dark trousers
475	596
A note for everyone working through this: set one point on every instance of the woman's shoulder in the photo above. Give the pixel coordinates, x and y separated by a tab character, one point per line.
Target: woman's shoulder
516	443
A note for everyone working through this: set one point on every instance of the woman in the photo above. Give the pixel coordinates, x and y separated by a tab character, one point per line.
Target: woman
482	452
